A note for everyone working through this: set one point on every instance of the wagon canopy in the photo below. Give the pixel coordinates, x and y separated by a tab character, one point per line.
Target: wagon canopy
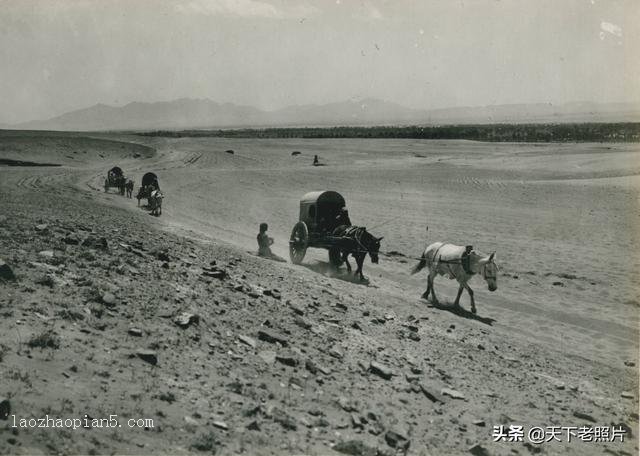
115	171
320	209
150	179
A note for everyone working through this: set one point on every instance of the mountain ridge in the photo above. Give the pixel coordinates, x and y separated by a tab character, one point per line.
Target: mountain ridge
195	113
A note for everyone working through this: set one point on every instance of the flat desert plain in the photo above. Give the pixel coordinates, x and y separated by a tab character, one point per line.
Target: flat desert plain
558	340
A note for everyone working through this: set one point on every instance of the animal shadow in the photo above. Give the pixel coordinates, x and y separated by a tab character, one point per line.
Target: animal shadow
461	312
328	270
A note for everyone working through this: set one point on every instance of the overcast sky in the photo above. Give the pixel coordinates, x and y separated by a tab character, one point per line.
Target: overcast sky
59	55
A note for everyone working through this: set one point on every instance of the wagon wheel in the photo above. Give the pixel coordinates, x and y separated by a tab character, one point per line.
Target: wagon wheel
334	257
298	242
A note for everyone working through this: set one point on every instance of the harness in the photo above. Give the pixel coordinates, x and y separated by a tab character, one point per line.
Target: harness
355	232
465	260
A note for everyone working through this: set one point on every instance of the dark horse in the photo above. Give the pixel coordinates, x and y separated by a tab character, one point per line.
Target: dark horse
357	241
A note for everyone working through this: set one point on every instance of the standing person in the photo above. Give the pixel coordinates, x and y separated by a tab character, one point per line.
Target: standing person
316	162
264	244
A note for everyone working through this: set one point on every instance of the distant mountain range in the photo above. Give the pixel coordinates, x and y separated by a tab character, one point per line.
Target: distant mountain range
187	113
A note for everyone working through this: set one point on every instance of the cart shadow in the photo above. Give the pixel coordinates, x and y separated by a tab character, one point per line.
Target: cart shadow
460	311
328	270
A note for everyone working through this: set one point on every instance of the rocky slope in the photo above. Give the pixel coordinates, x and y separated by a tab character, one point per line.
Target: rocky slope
228	353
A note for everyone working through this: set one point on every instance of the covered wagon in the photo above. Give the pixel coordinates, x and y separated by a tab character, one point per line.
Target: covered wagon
321	212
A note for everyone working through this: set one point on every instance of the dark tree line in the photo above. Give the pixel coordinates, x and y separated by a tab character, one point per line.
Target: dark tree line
576	132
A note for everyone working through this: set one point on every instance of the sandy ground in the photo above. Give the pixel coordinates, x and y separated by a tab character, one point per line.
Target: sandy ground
559	339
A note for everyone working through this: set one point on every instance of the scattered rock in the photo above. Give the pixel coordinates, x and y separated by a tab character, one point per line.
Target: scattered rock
136	332
431	392
357	421
478	450
268	356
287	358
255	292
186	319
296	383
94	242
397	439
221	425
149	356
626	363
71	240
376	428
271	336
6	272
43	228
46	254
46	279
296	309
355	448
191	421
314	368
284	419
558	284
533	448
302	322
411	378
137	252
215	273
336	353
412	328
5	408
380	370
480	423
253	426
274	293
46	339
167	397
311	366
452	393
347	405
162	255
627	395
584	416
108	299
250	341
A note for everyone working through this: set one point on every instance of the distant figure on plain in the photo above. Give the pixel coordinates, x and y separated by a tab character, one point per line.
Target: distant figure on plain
316	162
264	244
